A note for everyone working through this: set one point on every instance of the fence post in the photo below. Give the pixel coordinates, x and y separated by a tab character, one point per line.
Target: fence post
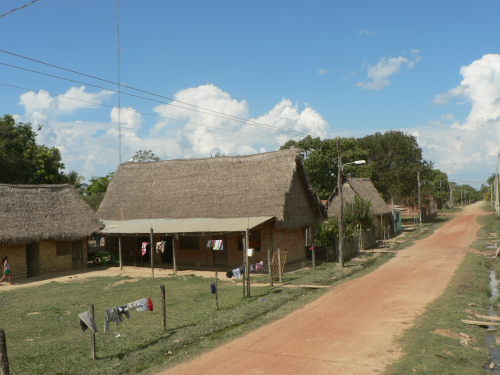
164	309
270	267
4	360
216	291
279	266
92	334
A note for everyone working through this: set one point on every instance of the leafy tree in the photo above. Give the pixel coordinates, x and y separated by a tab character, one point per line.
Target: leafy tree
320	161
75	179
396	158
145	156
97	189
22	160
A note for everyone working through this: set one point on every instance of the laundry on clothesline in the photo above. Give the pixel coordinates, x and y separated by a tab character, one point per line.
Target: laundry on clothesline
144	248
87	321
160	246
238	272
150	304
214	245
259	265
213	288
140	305
115	314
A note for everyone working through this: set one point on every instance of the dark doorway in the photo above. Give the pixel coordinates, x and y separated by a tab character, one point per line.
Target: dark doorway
220	256
167	256
77	255
32	257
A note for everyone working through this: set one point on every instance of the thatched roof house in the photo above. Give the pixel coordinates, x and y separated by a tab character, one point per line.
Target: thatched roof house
268	184
364	189
33	213
44	228
270	190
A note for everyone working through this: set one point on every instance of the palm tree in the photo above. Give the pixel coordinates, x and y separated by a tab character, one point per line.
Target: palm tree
75	179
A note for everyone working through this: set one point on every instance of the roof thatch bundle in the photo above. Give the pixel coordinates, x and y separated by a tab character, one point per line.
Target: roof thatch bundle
32	213
364	189
268	184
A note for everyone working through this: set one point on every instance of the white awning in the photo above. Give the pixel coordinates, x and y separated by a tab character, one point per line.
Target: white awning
179	226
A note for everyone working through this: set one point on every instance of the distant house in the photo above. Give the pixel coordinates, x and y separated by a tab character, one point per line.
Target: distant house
364	189
44	228
192	201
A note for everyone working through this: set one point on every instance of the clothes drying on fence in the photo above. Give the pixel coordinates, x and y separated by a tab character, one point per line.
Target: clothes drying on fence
215	245
213	288
259	265
110	315
87	321
252	267
160	246
150	304
144	248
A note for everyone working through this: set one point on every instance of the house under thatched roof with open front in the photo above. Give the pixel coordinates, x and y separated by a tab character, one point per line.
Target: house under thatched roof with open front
197	200
364	189
44	228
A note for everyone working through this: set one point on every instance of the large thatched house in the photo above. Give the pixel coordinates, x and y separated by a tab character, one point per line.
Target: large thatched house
44	228
197	200
364	189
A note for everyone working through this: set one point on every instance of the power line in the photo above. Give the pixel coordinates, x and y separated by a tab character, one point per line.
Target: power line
195	107
21	7
470	182
142	113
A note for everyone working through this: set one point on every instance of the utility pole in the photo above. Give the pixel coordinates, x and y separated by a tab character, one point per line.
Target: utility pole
461	199
451	194
496	192
491	194
419	205
441	193
341	198
119	83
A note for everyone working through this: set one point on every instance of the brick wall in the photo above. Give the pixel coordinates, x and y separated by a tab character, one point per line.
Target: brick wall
17	258
50	262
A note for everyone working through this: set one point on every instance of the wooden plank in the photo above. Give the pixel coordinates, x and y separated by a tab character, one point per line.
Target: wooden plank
487	317
478	323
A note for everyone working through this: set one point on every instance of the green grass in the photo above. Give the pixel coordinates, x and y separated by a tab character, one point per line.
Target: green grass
424	351
489	224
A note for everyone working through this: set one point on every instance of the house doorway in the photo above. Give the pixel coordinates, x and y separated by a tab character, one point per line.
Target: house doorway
32	259
220	256
168	255
77	255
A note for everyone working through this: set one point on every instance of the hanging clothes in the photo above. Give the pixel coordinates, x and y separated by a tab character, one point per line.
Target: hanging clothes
110	315
144	248
87	321
213	288
140	305
209	244
259	265
236	273
123	310
160	246
150	304
252	267
229	274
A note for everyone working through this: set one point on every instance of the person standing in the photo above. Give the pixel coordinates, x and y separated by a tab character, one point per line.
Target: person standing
6	269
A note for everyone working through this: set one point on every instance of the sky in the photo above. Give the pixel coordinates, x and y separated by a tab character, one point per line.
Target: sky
248	76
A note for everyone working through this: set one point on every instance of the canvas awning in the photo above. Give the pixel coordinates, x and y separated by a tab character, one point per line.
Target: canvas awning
180	226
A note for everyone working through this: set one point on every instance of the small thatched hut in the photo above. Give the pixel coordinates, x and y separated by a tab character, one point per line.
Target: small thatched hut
271	190
364	189
44	228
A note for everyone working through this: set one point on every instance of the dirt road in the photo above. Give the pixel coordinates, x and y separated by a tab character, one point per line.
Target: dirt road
351	329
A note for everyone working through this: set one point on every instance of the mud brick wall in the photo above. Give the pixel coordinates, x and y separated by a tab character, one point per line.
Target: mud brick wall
17	258
50	262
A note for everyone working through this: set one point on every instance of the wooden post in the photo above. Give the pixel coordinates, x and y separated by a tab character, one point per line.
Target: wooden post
247	263
216	291
279	266
120	252
244	259
92	334
313	243
341	200
152	255
269	255
173	254
164	308
4	360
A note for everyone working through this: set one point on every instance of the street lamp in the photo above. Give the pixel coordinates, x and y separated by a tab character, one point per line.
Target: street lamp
341	196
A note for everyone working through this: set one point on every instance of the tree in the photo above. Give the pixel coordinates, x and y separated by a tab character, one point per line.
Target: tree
396	158
22	160
75	179
320	161
97	189
145	156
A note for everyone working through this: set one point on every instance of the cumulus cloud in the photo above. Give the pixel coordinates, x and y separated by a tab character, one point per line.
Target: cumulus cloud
472	145
323	71
367	33
377	76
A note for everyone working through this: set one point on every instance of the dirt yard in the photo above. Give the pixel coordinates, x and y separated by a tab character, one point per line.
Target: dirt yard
351	329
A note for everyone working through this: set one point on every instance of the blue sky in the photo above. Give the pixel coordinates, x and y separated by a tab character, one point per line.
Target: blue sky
347	68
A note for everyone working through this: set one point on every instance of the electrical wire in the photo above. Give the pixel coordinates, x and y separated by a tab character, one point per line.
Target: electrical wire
142	113
21	7
195	107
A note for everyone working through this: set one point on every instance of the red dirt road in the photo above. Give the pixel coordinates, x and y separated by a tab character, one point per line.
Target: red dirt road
351	329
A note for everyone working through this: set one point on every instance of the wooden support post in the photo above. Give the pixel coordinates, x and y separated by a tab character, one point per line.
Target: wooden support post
340	182
270	255
279	266
247	263
92	334
216	291
313	242
120	252
4	360
152	255
270	267
164	308
173	254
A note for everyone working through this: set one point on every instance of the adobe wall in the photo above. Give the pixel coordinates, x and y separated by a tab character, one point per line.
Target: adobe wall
50	262
17	258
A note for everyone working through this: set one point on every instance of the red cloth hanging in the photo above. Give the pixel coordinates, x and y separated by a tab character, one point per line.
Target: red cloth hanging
150	304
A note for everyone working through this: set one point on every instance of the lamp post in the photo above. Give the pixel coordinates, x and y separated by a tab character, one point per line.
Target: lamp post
340	175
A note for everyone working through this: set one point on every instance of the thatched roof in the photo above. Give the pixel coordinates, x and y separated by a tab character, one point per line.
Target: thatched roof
268	184
364	189
32	213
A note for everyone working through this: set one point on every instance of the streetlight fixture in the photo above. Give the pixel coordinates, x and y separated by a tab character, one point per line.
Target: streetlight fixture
341	195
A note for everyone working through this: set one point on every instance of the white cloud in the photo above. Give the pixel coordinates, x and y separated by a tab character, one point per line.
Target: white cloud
367	33
323	71
455	92
377	74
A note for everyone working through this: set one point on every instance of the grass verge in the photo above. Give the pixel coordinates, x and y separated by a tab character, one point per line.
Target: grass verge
422	231
427	352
